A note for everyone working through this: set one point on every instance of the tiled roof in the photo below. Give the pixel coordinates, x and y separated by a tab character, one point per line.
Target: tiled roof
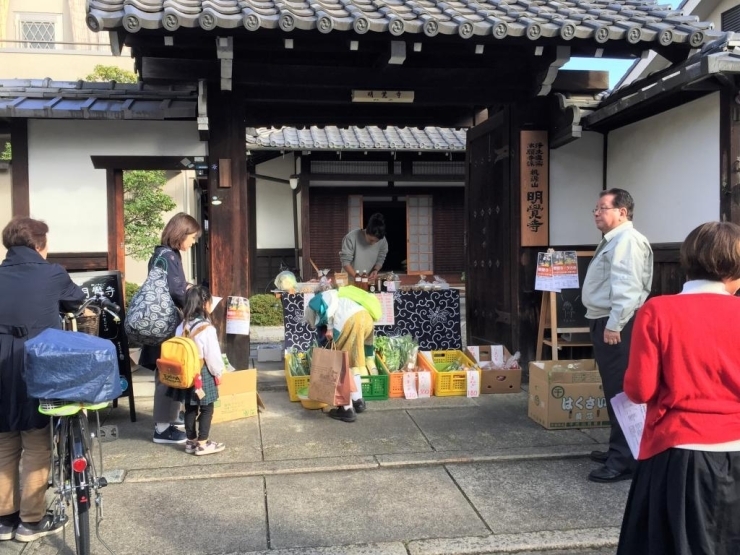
44	98
600	20
357	138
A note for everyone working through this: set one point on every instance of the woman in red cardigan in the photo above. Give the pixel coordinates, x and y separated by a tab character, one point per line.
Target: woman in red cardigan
685	364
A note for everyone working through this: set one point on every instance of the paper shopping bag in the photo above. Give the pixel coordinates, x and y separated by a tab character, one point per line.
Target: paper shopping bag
346	385
326	371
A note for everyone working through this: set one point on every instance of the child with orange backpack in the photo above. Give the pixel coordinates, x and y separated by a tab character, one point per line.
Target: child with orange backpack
199	398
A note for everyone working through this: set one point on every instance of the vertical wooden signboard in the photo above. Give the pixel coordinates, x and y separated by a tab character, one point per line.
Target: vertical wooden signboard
534	186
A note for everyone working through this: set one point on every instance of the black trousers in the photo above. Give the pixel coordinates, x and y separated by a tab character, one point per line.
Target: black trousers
204	421
613	361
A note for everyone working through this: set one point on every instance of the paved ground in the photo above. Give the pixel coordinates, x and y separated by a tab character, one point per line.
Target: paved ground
440	476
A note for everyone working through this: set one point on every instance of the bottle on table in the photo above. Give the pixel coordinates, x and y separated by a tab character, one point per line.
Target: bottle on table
365	283
358	280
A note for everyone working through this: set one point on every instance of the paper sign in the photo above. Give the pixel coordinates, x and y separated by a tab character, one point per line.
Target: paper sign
544	280
237	316
390	286
631	418
409	385
386	304
473	383
425	384
565	269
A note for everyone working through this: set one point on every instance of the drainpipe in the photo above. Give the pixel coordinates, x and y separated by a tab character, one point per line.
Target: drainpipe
604	165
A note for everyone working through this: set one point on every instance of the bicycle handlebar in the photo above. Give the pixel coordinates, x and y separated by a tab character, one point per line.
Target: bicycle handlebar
100	301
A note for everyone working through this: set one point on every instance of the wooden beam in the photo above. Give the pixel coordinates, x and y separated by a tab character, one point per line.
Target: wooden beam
80	261
141	162
19	192
581	81
305	226
116	239
229	222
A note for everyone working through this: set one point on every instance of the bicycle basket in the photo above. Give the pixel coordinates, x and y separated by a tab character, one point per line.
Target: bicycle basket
87	324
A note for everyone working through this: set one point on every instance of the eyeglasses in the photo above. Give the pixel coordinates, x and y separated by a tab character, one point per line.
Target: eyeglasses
603	209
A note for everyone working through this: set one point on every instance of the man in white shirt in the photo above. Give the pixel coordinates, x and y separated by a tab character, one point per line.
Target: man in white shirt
617	283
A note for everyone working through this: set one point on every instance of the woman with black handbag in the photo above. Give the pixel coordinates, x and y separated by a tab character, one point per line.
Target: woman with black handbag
179	235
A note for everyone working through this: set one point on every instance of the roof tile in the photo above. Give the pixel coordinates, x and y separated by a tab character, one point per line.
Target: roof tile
601	20
356	138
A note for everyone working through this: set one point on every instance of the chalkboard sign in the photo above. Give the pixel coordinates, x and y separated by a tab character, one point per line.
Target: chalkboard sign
570	310
110	284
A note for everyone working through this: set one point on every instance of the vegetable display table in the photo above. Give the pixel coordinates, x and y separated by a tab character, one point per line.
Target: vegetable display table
431	317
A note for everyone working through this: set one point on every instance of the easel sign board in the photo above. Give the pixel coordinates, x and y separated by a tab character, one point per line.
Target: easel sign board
563	312
110	284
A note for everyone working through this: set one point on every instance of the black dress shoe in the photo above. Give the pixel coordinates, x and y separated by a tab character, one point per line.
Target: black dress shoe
345	415
599	456
606	475
359	405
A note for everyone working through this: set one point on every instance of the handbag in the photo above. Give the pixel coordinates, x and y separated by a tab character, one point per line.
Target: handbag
152	316
330	381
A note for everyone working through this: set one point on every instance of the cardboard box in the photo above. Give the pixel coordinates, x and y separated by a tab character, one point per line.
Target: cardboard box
492	379
238	397
566	394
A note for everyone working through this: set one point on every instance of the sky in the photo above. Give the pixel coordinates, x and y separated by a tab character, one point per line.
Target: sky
616	68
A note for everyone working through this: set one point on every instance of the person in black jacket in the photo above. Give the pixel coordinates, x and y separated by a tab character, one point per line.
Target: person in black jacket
33	294
180	234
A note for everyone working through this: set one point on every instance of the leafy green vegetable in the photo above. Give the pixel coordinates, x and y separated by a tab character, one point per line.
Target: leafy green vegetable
396	351
300	362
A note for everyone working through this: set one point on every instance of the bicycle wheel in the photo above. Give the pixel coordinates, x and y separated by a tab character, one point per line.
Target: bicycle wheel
81	486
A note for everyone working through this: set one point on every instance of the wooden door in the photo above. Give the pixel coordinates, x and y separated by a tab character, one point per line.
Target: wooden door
490	241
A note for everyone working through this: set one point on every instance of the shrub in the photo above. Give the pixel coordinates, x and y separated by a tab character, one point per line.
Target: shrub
265	310
131	289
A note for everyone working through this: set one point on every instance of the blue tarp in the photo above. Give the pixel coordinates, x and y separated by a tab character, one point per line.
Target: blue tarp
72	366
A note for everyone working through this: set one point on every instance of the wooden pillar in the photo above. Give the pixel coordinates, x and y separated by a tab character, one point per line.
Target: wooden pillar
303	187
729	141
229	223
19	191
116	241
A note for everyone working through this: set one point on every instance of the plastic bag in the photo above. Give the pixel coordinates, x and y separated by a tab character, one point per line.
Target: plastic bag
286	281
72	366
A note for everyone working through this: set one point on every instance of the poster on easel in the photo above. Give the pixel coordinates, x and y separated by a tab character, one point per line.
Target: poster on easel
565	270
544	278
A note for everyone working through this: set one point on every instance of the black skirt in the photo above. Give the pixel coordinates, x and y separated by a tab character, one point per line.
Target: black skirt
683	502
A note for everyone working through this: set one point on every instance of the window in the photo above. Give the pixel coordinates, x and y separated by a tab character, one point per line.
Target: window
37	31
731	20
420	258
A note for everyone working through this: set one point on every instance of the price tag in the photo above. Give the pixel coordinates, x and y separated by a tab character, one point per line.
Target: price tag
473	383
425	384
409	385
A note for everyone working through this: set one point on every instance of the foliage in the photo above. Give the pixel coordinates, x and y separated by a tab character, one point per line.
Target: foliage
265	310
7	153
131	289
102	73
143	205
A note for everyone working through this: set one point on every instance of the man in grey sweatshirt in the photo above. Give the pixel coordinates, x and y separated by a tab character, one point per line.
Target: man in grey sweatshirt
364	250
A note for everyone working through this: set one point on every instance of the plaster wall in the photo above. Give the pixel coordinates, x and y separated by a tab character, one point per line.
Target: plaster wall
576	177
275	204
670	165
6	211
68	193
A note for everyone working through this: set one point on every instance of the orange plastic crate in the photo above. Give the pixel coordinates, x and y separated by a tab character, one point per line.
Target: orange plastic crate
395	379
448	384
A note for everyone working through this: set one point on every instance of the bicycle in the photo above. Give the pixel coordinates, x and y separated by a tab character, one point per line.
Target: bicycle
74	476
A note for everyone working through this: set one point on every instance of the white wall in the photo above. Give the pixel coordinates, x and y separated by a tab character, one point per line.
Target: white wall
576	180
670	165
68	193
275	205
6	207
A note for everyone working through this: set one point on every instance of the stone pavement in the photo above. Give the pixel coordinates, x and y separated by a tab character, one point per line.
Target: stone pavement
439	476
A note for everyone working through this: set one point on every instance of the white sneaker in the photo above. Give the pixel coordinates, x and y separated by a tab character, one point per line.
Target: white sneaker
209	448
